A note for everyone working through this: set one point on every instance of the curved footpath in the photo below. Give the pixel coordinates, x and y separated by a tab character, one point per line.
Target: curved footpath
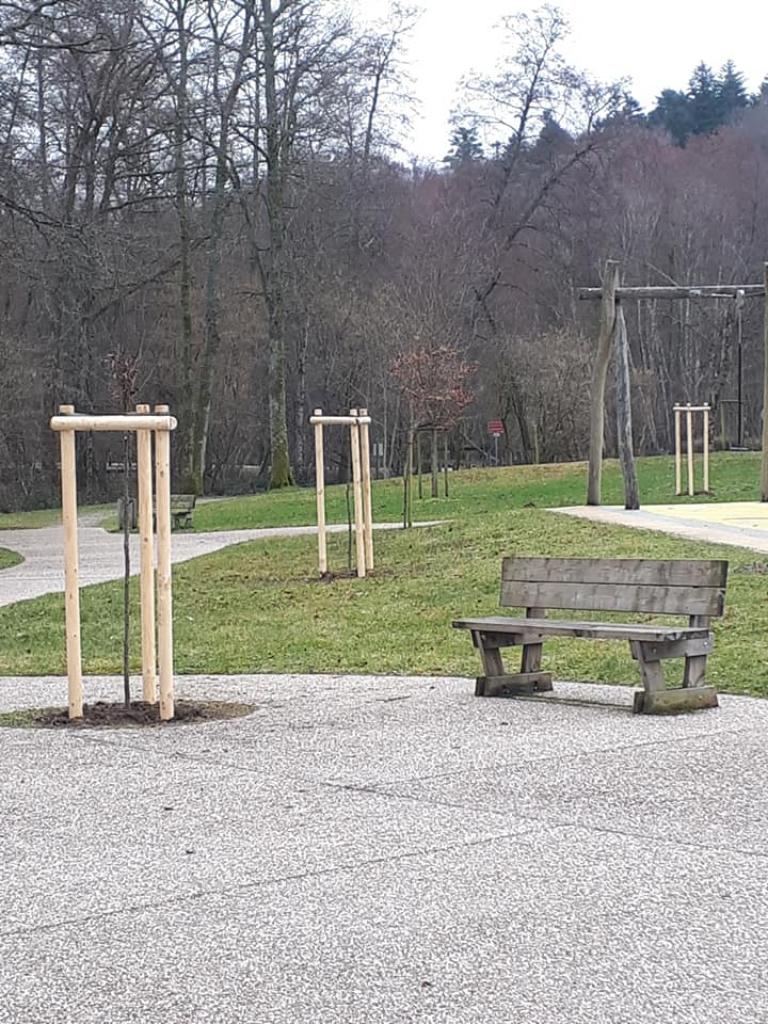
101	554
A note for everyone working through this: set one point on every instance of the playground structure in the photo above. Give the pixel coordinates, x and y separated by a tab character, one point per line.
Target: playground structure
613	336
689	411
160	424
358	422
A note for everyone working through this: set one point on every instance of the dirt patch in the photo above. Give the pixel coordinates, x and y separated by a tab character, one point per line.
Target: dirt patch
103	715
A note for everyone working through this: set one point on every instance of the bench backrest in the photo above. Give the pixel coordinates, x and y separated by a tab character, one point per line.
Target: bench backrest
615	585
182	502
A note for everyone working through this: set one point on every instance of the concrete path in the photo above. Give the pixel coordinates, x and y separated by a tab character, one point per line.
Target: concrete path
383	851
695	522
101	554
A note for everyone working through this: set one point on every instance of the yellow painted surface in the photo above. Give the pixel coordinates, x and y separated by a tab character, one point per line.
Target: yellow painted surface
752	515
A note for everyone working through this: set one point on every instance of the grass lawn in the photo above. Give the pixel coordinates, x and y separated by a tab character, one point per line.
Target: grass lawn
258	607
39	517
735	477
9	558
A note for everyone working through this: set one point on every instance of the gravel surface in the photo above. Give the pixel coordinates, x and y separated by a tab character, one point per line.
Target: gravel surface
385	850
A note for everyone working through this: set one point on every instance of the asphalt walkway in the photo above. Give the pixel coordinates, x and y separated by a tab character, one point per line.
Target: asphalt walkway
383	851
742	524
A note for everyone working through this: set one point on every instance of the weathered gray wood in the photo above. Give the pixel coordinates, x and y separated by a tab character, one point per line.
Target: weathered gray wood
523	682
659	650
492	660
651	673
599	376
531	659
674	572
703	291
499	627
624	412
612	597
663	702
695	670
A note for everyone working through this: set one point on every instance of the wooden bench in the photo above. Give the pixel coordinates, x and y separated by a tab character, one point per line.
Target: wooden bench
182	506
695	589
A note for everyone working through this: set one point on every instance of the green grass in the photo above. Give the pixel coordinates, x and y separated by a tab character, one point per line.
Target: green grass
9	558
735	477
40	517
258	607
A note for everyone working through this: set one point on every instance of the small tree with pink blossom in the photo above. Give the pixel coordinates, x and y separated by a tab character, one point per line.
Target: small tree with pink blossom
434	382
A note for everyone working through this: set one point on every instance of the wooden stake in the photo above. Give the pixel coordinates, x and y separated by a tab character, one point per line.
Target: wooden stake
706	449
624	412
678	452
365	458
147	558
689	439
164	592
322	547
71	568
354	434
445	464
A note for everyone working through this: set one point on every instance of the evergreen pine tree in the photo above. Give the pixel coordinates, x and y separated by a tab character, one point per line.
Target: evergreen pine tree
704	101
673	112
465	147
731	90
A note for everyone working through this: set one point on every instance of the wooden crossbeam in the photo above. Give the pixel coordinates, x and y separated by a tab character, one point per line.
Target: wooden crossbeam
705	291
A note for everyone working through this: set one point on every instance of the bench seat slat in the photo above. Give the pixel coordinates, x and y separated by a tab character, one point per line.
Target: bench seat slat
591	630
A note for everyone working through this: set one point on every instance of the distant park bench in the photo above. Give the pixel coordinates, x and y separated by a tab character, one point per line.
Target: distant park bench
182	507
695	589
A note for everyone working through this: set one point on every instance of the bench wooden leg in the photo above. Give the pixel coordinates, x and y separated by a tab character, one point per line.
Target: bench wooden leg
655	698
496	683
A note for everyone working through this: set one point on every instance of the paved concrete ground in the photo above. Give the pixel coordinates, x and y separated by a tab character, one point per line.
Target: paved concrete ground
386	850
743	524
101	554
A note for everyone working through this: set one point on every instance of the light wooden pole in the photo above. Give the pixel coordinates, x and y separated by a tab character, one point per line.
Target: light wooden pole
365	457
689	439
147	561
357	490
164	592
322	548
678	451
71	566
705	448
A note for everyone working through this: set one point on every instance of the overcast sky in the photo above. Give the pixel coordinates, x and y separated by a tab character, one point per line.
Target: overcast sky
656	45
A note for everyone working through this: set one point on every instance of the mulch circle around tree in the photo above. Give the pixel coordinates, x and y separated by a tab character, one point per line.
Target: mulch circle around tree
117	716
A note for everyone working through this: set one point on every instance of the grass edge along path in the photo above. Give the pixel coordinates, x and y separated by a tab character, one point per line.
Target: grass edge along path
259	607
9	558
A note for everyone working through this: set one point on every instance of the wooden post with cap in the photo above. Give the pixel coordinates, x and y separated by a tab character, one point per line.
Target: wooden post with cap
164	589
71	567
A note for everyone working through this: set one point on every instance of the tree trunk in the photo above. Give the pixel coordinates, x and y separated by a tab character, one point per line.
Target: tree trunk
624	412
280	473
435	458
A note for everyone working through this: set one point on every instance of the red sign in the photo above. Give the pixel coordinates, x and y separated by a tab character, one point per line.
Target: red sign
496	428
